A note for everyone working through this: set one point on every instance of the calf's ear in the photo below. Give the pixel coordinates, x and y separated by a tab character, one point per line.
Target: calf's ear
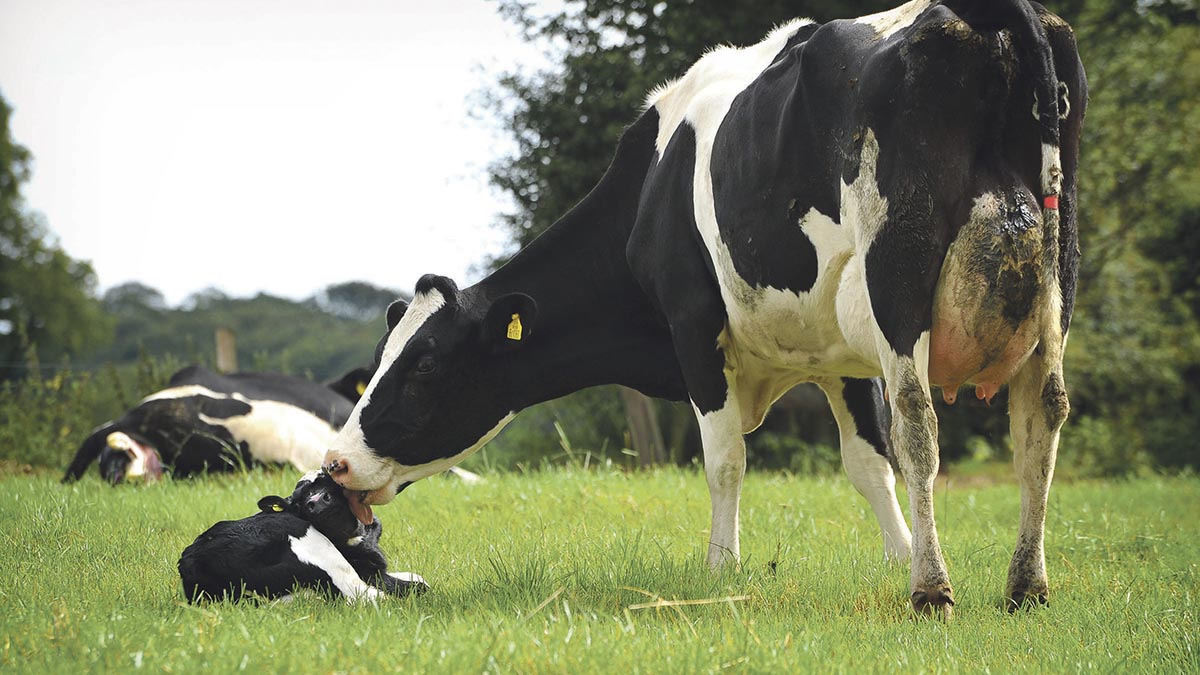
510	321
395	312
272	504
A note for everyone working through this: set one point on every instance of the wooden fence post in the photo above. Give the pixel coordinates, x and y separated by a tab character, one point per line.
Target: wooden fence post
644	432
226	351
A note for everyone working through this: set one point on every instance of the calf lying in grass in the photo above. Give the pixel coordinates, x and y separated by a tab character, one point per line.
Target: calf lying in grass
309	540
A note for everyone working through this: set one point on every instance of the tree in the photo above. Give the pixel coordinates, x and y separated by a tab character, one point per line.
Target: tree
133	297
1133	362
356	300
47	304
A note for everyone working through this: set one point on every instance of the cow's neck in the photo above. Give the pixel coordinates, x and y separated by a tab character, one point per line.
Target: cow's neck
594	324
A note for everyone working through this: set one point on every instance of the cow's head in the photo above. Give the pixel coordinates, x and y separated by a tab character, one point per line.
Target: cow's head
124	457
439	392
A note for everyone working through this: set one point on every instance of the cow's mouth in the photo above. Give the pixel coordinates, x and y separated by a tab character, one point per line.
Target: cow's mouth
359	506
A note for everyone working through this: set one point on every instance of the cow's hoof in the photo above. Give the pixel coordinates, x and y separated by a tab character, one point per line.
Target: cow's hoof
937	601
1026	600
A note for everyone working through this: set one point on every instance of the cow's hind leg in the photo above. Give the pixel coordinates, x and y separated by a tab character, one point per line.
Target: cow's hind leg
1037	409
858	407
914	436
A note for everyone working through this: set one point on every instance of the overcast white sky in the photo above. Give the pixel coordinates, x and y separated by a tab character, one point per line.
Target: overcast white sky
259	145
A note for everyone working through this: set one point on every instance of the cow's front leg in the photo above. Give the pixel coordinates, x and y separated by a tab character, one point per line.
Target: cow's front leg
858	407
1037	408
914	437
725	466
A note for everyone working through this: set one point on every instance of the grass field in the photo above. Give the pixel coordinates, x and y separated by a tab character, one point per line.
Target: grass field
552	571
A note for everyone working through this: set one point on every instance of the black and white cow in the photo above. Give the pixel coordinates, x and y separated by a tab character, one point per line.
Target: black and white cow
309	540
888	196
204	421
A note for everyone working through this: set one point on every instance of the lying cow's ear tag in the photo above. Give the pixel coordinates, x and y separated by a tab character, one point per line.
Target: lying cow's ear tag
361	387
514	328
272	504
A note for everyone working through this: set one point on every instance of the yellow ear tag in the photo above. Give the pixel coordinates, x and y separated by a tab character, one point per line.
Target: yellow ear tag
514	327
276	508
360	388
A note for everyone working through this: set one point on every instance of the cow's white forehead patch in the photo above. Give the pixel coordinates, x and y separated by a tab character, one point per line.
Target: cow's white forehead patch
351	441
308	477
422	307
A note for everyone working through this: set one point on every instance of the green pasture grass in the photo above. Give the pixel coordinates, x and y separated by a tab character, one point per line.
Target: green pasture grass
553	571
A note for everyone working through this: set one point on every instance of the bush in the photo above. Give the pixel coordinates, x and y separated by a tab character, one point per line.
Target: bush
44	417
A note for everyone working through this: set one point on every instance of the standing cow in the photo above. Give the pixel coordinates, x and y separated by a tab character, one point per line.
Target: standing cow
887	196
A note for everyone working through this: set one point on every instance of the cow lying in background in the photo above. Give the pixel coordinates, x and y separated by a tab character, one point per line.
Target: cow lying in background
309	540
204	421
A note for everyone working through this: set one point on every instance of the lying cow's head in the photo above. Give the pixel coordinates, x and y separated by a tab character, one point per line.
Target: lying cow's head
439	392
124	457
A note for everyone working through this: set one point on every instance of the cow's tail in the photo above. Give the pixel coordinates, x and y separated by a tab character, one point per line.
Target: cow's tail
1049	106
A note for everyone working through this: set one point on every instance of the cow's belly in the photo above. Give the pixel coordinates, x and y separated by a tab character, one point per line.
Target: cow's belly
777	339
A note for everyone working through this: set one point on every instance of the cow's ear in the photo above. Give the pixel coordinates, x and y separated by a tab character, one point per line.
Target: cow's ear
395	312
272	504
511	320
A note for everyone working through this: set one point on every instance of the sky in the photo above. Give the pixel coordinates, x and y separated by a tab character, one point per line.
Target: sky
260	145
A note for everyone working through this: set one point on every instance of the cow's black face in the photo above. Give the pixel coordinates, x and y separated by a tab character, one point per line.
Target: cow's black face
113	464
440	390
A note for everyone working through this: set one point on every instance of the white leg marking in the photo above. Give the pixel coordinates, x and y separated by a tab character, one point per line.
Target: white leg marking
724	465
315	549
408	577
872	476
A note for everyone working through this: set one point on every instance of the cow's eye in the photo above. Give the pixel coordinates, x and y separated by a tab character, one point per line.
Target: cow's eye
426	365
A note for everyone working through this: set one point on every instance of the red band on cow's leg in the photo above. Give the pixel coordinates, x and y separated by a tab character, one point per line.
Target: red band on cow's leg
1050	202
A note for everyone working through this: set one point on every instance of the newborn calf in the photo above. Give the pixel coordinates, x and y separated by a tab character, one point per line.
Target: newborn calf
309	540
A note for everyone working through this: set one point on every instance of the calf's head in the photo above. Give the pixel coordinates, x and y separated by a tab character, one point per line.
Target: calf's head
322	502
440	391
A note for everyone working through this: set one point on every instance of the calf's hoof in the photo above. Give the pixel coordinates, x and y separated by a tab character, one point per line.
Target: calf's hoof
936	601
